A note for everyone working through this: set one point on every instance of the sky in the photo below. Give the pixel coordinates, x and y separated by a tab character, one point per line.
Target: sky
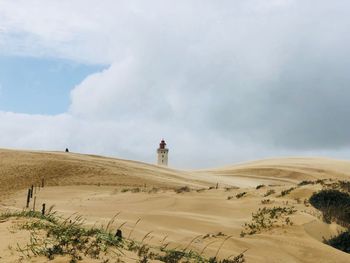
39	85
221	81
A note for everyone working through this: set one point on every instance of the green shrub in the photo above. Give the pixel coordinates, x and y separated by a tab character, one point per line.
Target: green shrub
341	242
334	205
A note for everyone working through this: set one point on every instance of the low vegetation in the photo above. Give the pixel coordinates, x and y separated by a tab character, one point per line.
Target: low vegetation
49	217
287	191
183	189
341	242
219	234
309	182
340	185
266	201
67	237
240	195
344	185
132	190
269	192
334	205
305	182
152	190
52	236
267	218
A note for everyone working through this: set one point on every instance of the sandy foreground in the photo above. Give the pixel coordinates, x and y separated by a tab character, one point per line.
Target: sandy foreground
147	208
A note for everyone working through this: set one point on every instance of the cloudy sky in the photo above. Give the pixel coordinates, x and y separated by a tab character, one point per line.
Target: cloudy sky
222	81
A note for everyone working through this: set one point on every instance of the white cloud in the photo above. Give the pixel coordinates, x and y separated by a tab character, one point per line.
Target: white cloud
217	79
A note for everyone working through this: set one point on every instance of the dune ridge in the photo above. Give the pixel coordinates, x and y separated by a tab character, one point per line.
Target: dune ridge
21	168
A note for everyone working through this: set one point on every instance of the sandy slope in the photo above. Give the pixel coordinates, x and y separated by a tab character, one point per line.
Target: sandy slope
93	187
289	169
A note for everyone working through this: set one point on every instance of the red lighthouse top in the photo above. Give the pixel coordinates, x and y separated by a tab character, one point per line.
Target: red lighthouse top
162	144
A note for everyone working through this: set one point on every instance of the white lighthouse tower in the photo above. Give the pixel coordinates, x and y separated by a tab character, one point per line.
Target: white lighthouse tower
162	154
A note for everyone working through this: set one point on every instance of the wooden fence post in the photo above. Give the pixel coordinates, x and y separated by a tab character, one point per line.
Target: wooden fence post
28	198
43	210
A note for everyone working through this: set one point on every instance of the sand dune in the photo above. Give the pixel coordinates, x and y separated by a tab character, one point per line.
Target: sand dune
290	169
97	188
21	168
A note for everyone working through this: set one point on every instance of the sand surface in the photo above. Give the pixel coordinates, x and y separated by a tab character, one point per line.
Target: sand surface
99	188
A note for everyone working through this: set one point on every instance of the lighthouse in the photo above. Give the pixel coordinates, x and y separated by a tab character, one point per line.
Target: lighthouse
162	154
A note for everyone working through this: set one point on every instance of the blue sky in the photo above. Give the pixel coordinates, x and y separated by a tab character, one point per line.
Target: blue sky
37	85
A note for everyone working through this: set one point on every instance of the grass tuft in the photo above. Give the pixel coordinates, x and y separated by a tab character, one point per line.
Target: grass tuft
287	191
269	192
240	195
183	189
68	237
266	218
